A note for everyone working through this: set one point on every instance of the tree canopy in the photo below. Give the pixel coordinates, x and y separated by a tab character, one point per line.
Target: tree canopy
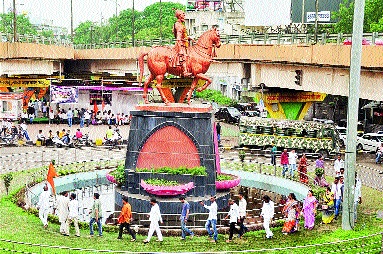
154	21
373	16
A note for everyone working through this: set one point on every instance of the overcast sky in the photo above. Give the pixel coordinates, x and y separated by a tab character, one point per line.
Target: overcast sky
58	11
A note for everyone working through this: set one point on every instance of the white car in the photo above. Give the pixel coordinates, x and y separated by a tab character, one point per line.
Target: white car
342	132
369	142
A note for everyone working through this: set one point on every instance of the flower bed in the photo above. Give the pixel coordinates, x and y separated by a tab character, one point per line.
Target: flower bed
227	183
167	190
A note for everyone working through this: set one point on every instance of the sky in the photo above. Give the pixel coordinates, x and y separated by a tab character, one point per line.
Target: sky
57	12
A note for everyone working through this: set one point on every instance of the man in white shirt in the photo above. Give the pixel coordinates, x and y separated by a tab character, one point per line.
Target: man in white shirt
242	204
234	215
292	162
73	215
212	219
62	210
336	189
267	214
24	130
338	164
154	218
44	205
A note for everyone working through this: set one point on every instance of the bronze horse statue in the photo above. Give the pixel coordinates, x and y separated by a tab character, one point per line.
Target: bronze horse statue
199	58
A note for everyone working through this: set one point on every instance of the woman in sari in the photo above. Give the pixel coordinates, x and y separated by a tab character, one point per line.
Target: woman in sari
328	206
290	210
302	169
309	210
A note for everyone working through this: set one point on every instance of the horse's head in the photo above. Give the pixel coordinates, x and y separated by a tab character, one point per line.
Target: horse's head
215	37
210	38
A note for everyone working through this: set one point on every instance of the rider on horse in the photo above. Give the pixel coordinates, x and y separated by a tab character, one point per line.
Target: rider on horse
182	42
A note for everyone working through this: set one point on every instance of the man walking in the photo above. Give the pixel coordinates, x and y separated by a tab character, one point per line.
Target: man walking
73	215
267	214
44	205
212	219
273	155
96	215
242	214
154	218
184	218
234	215
62	210
125	219
292	162
284	162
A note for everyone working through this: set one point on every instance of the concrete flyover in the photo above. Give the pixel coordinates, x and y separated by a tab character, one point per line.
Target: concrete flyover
239	67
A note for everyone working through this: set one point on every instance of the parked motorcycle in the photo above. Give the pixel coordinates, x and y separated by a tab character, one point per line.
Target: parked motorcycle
83	141
115	141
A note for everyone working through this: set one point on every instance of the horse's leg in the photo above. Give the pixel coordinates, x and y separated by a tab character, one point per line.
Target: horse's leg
207	83
159	79
147	82
191	90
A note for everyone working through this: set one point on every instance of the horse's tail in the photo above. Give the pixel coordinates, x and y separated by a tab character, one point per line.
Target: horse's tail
141	65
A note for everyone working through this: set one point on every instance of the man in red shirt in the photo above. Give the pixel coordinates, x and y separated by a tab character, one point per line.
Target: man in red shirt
284	162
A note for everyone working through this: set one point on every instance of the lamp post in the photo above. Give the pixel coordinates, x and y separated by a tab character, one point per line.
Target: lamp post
133	44
14	21
161	20
71	20
316	20
115	1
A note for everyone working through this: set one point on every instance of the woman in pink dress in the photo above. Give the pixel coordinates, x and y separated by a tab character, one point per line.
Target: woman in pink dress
309	210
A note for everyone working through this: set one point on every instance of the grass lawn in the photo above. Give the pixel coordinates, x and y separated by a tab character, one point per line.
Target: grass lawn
19	225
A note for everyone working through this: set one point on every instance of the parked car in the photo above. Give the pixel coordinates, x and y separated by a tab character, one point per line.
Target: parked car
342	132
369	142
228	114
251	113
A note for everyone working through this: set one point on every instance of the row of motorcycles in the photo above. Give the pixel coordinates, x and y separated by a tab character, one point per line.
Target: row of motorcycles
13	136
85	141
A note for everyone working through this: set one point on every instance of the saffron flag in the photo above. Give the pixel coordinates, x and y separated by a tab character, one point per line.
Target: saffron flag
95	108
51	174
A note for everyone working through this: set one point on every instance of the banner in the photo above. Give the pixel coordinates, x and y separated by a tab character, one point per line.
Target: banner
293	97
64	94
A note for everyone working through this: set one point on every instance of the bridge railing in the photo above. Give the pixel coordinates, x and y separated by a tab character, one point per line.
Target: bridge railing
259	39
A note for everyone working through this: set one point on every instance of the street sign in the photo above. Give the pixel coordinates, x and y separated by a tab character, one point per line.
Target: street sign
323	16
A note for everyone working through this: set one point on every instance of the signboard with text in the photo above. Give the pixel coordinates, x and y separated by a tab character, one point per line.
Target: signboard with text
323	16
293	97
64	94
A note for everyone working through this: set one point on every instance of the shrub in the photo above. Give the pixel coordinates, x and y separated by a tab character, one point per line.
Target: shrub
319	171
222	177
160	182
119	174
216	96
7	180
176	171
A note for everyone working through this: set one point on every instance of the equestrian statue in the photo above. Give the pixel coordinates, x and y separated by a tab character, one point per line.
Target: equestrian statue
181	60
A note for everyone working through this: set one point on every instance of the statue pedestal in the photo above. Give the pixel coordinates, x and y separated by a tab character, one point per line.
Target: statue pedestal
172	136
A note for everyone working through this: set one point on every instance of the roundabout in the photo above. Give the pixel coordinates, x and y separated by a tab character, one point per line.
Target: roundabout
32	238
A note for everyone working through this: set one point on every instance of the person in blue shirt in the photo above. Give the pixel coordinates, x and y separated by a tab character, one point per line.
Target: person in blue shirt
184	218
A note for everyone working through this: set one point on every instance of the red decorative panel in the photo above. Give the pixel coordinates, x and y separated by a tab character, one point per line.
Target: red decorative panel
168	147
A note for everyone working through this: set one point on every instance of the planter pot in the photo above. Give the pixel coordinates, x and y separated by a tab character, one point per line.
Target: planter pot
110	178
167	190
228	184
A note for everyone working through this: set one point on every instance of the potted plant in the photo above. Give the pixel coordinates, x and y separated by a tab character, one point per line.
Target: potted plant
226	181
162	187
117	176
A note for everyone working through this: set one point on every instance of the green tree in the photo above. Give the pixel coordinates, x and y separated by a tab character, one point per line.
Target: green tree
87	32
373	16
23	24
147	25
